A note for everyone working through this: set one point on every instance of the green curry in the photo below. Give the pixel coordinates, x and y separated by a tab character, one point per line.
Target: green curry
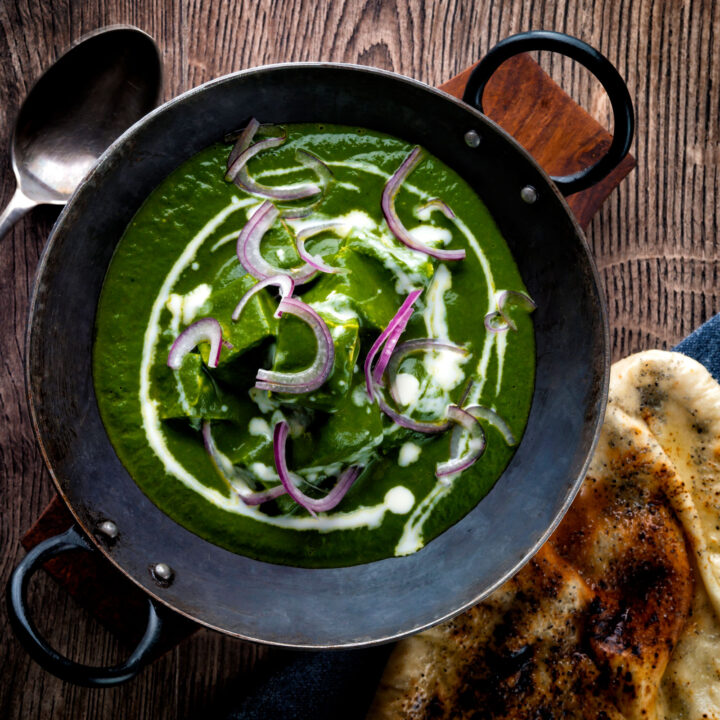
177	263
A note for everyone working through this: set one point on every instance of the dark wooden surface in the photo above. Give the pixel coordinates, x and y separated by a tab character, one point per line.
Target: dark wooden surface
655	239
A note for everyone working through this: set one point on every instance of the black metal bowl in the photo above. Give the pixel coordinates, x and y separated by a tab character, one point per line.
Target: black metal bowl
288	606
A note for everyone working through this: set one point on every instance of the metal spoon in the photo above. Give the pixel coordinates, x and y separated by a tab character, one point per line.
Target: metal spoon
101	86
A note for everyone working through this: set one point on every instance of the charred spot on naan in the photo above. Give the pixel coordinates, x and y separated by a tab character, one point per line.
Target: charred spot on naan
536	662
623	539
521	653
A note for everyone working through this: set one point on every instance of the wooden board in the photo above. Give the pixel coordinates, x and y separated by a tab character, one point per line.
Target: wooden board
655	240
562	137
548	123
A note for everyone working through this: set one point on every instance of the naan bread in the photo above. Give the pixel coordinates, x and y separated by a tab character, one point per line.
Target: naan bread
680	403
617	616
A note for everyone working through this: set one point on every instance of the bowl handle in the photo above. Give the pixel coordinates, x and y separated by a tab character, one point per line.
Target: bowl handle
36	645
598	65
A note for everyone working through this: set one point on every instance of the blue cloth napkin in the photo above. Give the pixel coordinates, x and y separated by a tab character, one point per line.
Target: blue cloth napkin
332	685
318	686
704	346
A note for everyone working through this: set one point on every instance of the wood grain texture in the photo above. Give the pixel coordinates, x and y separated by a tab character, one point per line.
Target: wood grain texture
655	240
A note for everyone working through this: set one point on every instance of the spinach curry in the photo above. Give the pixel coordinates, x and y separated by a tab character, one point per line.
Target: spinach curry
210	423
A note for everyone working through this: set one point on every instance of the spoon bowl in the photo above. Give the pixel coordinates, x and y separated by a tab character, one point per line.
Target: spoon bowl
95	91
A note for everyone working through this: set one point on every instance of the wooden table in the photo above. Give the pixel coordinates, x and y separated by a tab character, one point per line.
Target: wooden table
655	240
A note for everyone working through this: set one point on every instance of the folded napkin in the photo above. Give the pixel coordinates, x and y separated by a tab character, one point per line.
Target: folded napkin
341	684
704	346
318	686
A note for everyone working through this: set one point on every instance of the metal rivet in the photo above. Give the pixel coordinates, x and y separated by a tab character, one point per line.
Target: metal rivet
108	528
472	139
162	572
529	194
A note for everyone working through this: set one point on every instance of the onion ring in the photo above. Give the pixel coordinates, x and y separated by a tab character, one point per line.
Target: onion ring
397	318
438	204
499	320
480	412
314	260
314	376
313	506
411	346
477	444
387	203
223	467
284	282
248	248
205	330
244	151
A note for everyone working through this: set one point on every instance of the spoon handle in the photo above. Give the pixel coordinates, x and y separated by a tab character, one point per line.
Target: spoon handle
16	208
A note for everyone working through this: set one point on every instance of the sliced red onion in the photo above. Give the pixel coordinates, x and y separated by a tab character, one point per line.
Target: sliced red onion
390	191
259	497
476	446
244	151
407	422
438	204
314	376
324	174
242	138
313	506
412	346
205	330
389	347
499	320
284	282
287	193
485	413
242	158
248	248
308	232
495	322
312	161
466	393
407	303
236	482
522	299
243	141
295	213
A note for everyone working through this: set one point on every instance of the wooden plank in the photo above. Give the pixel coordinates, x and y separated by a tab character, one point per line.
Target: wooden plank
655	239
